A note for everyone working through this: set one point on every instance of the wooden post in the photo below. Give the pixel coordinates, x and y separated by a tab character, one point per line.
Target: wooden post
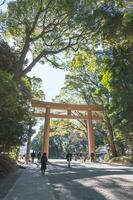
46	132
91	139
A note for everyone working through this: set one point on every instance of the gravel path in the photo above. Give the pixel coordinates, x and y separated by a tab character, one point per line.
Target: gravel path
91	181
31	185
8	181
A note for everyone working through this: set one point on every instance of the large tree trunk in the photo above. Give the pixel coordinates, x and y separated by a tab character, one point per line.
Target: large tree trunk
111	137
61	147
28	148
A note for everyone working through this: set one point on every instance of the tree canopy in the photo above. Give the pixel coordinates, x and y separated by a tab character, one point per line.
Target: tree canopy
44	28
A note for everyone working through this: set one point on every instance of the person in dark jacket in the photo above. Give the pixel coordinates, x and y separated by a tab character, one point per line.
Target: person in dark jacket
69	158
44	163
33	155
92	157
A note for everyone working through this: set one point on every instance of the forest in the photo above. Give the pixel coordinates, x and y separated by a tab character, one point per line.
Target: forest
92	40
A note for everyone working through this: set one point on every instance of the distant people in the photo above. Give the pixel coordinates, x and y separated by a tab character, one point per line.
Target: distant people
76	156
33	155
44	161
92	157
69	158
81	157
23	157
38	158
85	157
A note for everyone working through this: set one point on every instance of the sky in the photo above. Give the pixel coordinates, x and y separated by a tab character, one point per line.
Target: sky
52	79
52	82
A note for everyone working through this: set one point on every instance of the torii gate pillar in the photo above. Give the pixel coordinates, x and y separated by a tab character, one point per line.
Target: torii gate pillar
91	138
45	147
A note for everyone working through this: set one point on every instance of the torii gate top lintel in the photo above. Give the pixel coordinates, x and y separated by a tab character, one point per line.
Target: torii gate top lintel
87	109
64	106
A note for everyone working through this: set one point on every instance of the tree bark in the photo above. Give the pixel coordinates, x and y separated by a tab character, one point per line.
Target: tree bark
28	148
111	137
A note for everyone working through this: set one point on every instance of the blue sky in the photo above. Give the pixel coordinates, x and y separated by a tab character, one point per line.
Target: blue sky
52	82
52	79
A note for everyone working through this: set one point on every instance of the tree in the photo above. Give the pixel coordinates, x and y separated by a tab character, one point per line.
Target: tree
119	85
83	86
8	58
112	33
12	113
64	135
44	28
36	143
117	71
72	140
16	116
36	93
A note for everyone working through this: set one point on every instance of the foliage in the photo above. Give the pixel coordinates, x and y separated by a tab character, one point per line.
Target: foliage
44	28
64	136
120	87
84	59
8	59
36	143
16	117
122	159
83	84
12	111
67	135
6	165
112	33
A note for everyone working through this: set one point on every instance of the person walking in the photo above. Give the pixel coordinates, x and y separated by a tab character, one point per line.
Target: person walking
33	155
69	158
38	158
92	157
44	161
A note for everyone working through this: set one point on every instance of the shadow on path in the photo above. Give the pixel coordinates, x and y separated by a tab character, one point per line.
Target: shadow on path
31	185
81	183
7	182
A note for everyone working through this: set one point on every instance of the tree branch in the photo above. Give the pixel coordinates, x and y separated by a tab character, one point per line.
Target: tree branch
50	61
46	29
19	74
36	18
4	1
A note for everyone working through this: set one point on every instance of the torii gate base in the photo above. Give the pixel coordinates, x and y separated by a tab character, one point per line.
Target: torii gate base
68	107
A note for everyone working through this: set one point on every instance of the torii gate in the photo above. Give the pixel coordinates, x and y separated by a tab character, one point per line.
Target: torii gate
89	115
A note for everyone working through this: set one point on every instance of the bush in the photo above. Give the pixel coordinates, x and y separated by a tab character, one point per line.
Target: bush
6	165
123	159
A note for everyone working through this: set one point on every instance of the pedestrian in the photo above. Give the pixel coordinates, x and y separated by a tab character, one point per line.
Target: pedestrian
92	157
85	157
44	161
33	155
69	158
38	158
81	157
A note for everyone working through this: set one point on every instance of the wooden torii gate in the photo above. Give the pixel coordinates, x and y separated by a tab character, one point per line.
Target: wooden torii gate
89	115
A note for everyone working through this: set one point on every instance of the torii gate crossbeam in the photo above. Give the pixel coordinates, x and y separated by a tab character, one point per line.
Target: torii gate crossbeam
89	115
